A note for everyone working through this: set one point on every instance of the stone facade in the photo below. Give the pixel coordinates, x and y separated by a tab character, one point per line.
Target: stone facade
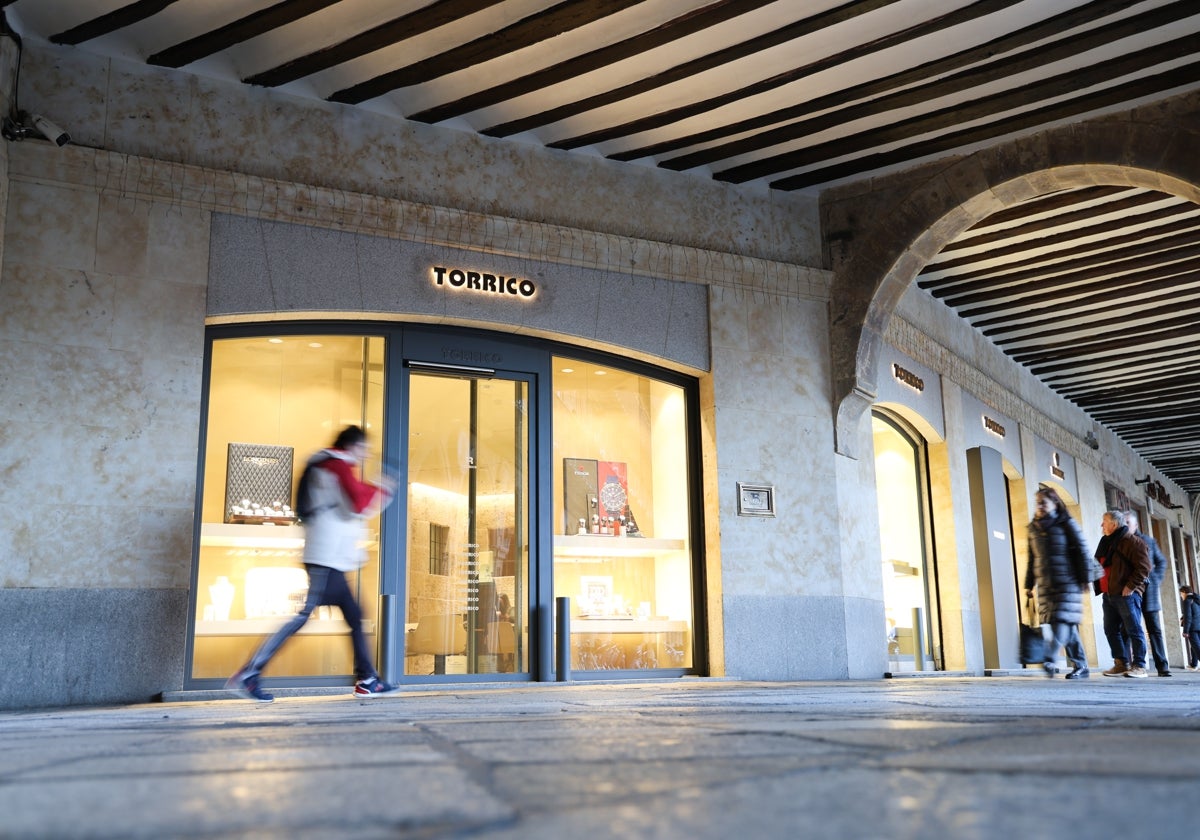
107	261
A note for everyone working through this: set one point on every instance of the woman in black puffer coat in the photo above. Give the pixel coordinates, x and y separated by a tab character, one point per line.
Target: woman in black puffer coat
1058	570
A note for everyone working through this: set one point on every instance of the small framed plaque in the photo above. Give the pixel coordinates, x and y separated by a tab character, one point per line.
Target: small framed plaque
755	499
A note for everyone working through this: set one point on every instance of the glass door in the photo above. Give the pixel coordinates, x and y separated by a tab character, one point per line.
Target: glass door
468	444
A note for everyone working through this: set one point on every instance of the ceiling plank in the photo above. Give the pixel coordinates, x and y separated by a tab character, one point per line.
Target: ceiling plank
563	17
1061	85
718	58
926	28
118	18
243	29
926	83
404	28
926	147
673	30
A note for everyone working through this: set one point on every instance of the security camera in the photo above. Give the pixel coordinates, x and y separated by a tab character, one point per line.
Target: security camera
18	128
50	131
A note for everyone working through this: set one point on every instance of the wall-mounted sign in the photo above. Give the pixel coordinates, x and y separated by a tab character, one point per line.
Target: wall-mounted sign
755	499
907	377
484	282
1056	469
992	426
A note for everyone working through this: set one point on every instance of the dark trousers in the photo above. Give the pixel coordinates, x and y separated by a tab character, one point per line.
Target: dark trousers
1130	607
326	588
1114	632
1154	633
1193	648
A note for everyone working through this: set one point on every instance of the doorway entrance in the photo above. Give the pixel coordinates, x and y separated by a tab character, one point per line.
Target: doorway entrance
909	584
467	455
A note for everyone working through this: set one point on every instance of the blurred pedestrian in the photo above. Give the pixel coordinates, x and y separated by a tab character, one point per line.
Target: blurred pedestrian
333	535
1058	570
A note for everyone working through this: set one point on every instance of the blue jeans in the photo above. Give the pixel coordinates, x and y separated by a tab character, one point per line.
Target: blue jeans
326	587
1158	647
1118	643
1130	607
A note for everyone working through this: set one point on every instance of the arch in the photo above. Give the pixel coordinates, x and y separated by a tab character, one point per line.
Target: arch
877	239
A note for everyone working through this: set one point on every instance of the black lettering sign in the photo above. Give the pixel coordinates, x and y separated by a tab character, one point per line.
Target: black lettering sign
907	377
483	282
992	426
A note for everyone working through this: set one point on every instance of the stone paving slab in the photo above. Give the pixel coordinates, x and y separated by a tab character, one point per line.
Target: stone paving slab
939	758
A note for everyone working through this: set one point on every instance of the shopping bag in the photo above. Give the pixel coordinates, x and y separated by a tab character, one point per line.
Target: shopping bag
1033	643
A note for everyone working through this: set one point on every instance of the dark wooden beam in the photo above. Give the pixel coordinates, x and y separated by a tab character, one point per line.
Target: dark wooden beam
1158	223
673	30
240	30
1184	76
915	87
1043	278
1079	222
997	105
396	31
792	31
911	33
564	17
116	19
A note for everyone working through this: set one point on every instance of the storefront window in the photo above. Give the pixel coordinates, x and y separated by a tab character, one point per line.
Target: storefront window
272	402
621	551
902	537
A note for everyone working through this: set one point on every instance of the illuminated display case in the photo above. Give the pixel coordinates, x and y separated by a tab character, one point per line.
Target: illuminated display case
284	394
622	553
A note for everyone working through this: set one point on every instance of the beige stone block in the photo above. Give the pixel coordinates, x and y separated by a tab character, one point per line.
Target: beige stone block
56	305
155	318
51	226
177	250
728	319
19	536
122	235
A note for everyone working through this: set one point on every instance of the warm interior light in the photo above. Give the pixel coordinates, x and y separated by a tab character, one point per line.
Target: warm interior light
314	344
275	341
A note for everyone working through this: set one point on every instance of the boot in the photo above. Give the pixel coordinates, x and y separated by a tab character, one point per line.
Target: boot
1120	666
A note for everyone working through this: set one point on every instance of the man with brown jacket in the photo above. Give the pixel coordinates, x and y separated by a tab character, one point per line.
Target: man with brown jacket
1128	564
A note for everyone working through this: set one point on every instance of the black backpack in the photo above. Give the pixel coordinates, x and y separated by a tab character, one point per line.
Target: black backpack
306	506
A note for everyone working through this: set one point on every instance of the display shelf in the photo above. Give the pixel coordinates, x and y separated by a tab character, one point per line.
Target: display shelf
258	536
267	626
596	546
625	626
251	536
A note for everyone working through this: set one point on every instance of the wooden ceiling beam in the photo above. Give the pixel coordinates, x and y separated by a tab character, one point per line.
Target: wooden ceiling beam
563	17
718	58
243	29
673	30
106	24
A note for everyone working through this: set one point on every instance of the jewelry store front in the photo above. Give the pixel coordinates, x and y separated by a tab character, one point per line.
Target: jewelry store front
527	471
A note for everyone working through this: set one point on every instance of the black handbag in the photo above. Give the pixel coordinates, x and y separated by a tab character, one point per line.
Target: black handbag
1033	643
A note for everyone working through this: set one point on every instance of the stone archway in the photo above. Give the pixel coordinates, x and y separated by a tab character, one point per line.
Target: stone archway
880	234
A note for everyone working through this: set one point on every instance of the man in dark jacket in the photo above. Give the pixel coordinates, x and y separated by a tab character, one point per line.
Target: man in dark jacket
1128	565
1152	603
1190	621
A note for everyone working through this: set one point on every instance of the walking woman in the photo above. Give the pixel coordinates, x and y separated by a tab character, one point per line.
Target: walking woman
1058	569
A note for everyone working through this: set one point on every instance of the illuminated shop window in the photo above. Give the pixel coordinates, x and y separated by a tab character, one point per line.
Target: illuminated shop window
272	402
621	543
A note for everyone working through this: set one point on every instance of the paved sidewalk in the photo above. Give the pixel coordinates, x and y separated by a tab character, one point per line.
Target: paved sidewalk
946	758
